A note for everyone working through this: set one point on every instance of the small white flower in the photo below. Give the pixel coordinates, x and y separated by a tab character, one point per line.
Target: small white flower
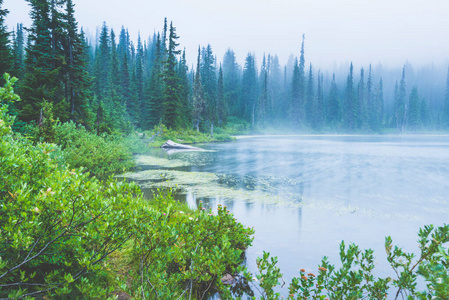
439	280
190	218
181	212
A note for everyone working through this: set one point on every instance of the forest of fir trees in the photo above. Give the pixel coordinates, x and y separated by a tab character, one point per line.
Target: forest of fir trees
116	85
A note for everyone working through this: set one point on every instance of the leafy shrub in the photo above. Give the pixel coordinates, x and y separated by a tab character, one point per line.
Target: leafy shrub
179	252
57	225
355	279
101	155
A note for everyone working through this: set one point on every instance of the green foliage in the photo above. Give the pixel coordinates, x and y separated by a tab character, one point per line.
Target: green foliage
101	156
47	123
59	227
178	252
355	279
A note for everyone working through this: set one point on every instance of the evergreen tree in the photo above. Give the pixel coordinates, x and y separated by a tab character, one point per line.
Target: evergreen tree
424	113
249	89
378	107
349	108
184	89
302	81
446	102
199	103
295	104
209	80
139	79
114	71
361	101
222	107
263	106
310	100
414	113
5	51
276	91
371	108
18	51
155	87
44	61
78	83
102	64
125	86
400	105
172	101
319	110
333	107
231	83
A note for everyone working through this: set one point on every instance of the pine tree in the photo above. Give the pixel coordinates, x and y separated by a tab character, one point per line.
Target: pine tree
378	107
414	113
231	82
222	106
155	87
310	100
276	92
5	51
18	51
446	102
102	65
400	105
295	104
371	108
333	107
319	110
172	102
78	83
361	101
349	108
199	103
139	71
184	90
249	90
44	61
263	106
302	82
424	113
209	80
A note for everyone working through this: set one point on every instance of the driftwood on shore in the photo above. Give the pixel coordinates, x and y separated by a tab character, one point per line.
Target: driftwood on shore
172	145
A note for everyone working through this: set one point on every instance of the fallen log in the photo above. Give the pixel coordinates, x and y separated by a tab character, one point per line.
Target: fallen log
172	145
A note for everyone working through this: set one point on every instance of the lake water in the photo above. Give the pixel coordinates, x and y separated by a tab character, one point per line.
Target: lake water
327	189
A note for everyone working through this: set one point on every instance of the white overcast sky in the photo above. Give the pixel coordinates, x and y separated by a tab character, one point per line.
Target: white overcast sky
337	31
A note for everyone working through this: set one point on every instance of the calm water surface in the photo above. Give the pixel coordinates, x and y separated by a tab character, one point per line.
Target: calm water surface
353	188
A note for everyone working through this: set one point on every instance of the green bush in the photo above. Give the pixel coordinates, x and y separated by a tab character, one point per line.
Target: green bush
57	225
179	252
101	156
355	279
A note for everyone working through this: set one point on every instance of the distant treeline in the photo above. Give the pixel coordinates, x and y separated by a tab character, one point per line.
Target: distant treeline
116	85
